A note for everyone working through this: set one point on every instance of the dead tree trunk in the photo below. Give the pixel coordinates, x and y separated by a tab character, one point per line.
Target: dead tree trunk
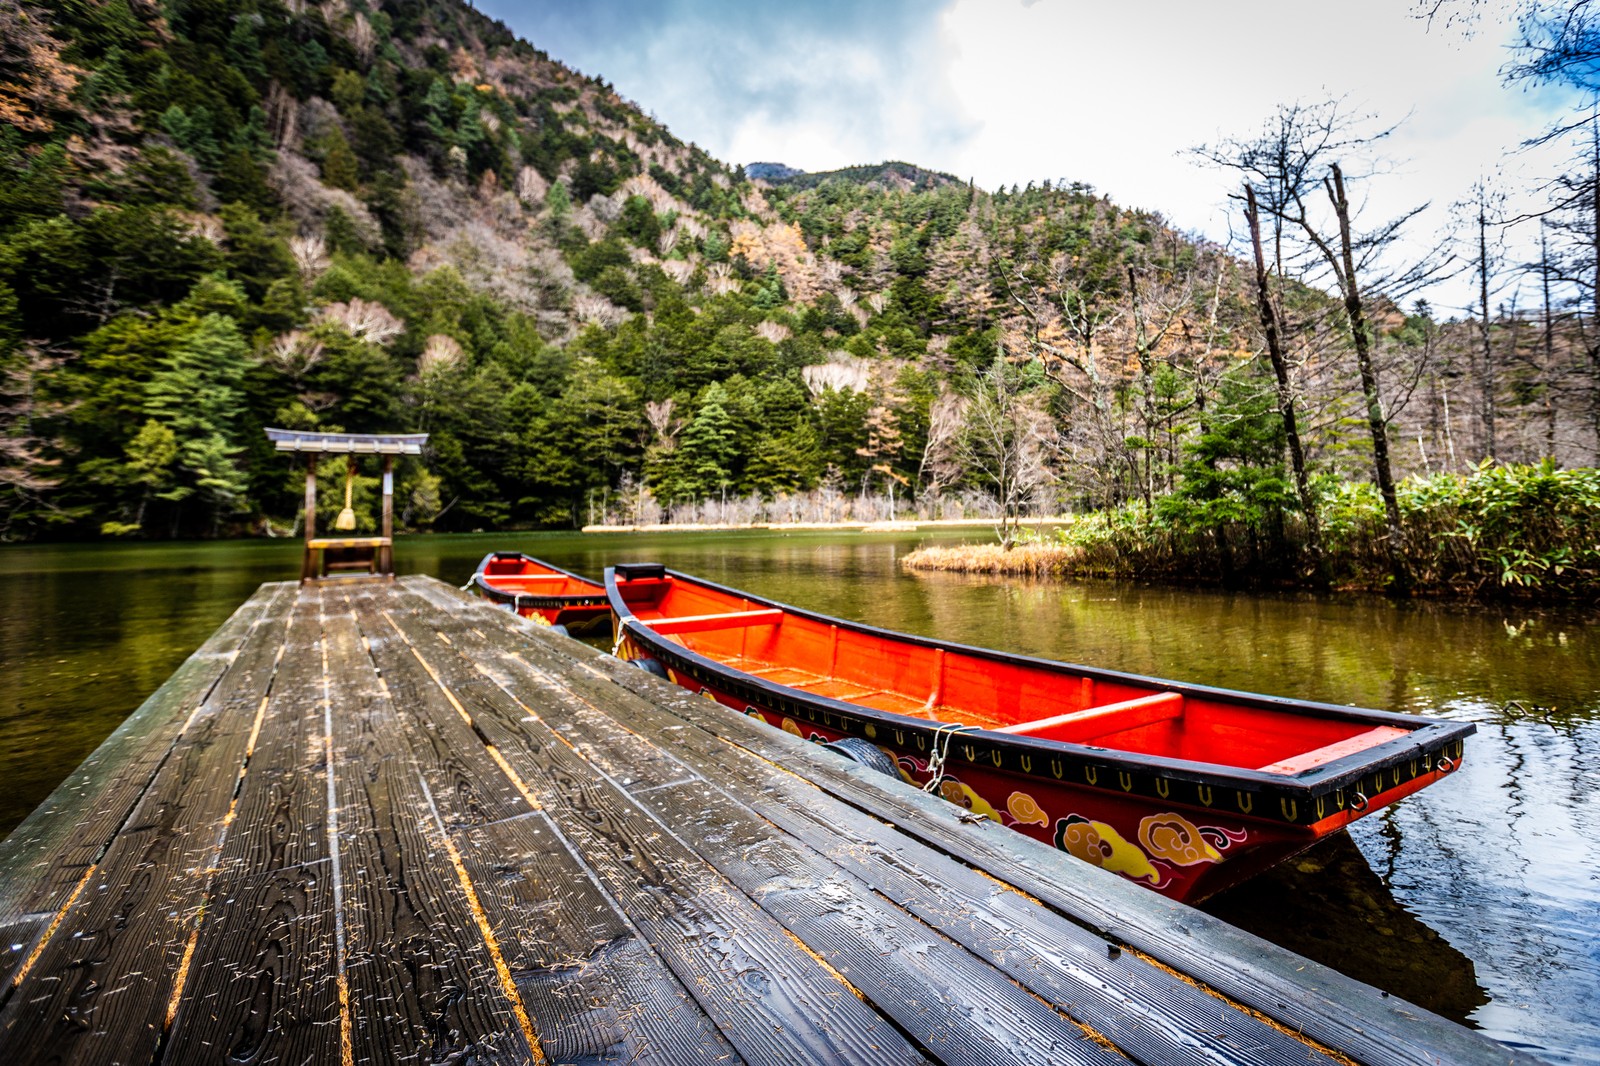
1286	407
1487	399
1548	372
1361	338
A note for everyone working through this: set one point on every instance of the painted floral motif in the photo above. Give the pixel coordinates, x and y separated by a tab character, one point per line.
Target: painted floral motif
1175	839
791	726
1025	810
1103	846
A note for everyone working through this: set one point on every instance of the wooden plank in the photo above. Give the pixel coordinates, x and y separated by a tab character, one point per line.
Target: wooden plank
1109	718
100	986
773	1001
262	985
1358	1020
465	782
43	861
595	989
1310	760
419	974
1149	1014
705	623
266	989
574	974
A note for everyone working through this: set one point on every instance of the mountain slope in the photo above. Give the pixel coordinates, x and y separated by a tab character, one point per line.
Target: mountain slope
903	177
226	214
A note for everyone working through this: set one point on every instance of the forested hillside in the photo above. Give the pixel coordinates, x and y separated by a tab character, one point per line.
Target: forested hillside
227	214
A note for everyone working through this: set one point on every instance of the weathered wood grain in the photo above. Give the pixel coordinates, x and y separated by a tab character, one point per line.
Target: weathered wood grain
100	987
595	989
422	982
262	984
43	860
772	1001
586	969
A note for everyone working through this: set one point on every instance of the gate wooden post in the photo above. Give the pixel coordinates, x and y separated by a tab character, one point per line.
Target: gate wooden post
386	553
308	564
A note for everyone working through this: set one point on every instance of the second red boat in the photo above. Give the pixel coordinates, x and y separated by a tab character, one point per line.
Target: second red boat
535	589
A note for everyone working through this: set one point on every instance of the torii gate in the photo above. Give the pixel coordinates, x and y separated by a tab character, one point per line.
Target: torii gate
375	555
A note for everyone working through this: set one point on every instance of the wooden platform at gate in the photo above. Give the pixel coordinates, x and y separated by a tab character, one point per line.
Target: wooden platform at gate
368	823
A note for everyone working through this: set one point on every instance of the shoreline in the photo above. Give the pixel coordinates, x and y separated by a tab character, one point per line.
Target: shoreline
897	526
1055	562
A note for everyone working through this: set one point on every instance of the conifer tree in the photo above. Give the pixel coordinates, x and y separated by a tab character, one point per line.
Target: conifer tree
708	446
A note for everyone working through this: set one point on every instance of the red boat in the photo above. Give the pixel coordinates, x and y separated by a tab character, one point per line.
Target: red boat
535	589
1183	788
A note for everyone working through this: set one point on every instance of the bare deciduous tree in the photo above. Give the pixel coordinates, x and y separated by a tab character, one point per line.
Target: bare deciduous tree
663	426
939	467
1296	164
1272	330
1005	441
364	319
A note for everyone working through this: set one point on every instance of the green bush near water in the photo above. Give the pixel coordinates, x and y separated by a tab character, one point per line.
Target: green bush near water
1515	531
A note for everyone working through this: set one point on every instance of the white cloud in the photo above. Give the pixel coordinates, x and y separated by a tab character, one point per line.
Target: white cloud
1115	95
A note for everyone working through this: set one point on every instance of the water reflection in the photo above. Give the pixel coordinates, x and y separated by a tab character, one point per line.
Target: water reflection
1329	905
1478	898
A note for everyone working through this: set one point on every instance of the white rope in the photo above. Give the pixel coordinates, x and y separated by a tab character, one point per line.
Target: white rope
941	751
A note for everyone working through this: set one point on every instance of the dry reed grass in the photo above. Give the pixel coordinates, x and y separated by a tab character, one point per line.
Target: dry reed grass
1033	560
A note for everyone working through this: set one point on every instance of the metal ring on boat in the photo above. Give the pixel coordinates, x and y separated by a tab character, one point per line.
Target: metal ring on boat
1358	802
1445	763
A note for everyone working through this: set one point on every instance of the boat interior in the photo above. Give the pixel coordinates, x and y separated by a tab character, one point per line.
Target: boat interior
1001	694
520	574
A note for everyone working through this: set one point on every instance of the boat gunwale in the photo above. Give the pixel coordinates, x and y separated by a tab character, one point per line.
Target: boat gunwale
1432	735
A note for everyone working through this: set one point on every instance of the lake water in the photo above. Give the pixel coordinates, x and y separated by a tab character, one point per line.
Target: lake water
1478	898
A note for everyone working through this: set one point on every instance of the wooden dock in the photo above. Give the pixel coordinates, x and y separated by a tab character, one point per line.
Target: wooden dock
379	822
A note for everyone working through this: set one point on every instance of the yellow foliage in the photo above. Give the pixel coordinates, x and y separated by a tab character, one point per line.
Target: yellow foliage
39	81
749	245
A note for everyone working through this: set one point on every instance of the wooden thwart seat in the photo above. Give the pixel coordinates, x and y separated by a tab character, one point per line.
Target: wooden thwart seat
1310	760
703	623
1111	718
524	582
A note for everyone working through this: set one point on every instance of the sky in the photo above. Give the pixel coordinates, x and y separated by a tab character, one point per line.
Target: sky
1113	95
